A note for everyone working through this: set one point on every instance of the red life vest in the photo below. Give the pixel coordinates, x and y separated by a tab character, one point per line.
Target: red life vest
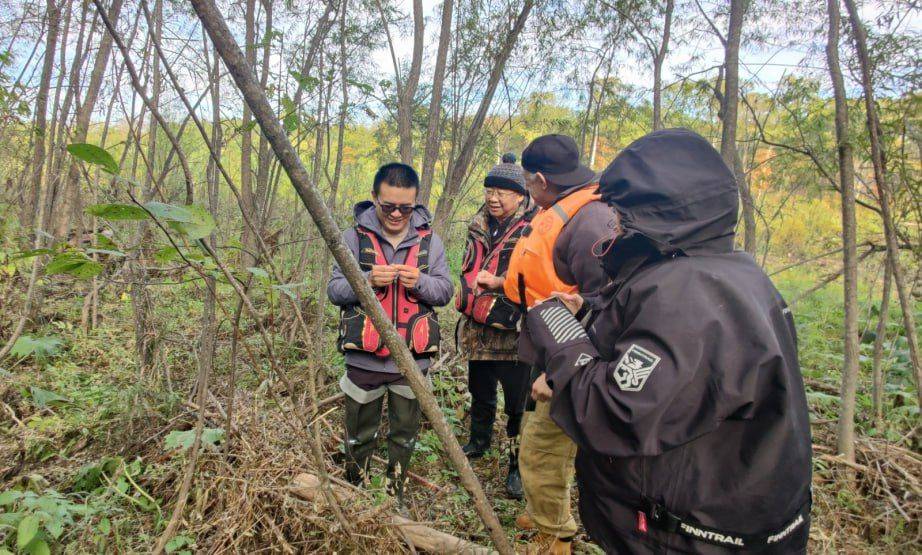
490	308
416	321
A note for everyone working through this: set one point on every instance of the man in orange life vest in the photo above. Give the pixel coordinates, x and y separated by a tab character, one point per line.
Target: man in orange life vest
405	264
554	255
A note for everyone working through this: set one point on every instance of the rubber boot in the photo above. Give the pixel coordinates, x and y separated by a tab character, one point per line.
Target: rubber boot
362	421
404	417
514	478
482	417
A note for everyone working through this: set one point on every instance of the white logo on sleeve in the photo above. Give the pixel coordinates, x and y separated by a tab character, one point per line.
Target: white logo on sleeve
583	359
634	368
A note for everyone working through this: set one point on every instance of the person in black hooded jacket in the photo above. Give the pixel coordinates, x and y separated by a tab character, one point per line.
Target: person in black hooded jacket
684	395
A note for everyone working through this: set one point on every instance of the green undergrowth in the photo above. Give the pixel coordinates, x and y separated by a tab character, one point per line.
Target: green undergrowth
91	429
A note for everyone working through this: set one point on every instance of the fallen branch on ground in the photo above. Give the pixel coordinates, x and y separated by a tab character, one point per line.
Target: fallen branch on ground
419	536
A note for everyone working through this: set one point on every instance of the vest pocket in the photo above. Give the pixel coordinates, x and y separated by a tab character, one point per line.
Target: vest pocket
423	335
357	333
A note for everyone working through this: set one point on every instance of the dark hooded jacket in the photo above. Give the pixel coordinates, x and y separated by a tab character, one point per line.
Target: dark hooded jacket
685	395
433	288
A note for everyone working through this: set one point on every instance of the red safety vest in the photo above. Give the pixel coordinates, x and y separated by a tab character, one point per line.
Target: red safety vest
490	308
416	321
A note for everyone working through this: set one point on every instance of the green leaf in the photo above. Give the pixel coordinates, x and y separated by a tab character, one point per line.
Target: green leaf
309	83
38	547
27	530
117	211
104	526
166	254
55	527
184	439
93	154
169	212
178	542
40	347
44	398
30	254
9	497
75	264
201	225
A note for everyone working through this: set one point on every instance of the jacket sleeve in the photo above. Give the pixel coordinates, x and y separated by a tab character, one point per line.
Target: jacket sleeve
653	395
339	291
435	288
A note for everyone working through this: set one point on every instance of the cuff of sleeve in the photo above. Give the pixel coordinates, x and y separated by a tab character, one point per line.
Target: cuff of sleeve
567	361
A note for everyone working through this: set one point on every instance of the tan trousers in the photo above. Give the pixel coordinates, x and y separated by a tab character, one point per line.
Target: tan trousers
546	458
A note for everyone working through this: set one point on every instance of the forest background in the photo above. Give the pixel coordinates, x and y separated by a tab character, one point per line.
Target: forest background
167	354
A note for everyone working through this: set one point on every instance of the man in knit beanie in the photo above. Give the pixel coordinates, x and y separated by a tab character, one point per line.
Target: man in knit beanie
487	329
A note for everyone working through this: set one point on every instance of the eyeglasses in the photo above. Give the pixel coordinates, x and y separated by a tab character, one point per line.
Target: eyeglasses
388	208
500	194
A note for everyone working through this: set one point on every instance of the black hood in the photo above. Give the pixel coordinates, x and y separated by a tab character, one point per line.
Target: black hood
675	197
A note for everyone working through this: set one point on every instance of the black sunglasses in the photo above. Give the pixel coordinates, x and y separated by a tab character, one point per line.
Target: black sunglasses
388	208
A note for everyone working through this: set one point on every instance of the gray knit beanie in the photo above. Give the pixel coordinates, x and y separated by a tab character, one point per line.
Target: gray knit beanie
506	175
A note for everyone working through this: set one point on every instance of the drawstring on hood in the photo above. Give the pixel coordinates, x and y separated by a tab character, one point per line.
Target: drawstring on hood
675	197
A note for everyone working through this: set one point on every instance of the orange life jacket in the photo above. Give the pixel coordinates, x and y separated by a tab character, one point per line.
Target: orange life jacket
531	267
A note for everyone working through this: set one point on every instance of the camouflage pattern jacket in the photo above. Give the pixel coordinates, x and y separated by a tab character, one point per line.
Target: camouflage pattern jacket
474	340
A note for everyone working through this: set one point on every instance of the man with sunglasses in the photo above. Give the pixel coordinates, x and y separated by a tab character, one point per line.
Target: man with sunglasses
404	262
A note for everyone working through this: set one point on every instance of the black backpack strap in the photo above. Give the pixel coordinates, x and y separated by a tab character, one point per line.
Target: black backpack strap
422	257
367	254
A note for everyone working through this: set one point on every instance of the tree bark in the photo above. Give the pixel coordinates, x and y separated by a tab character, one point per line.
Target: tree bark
233	58
845	442
84	112
246	139
658	60
729	111
33	214
40	127
461	164
434	129
877	371
885	195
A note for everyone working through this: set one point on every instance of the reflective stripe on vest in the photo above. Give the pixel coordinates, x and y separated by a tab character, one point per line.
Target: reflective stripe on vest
533	257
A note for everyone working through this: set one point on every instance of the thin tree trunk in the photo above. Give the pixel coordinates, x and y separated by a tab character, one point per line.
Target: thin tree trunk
877	370
845	442
263	164
461	165
85	111
246	139
434	129
885	195
658	66
337	172
408	94
243	75
729	111
145	329
39	130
